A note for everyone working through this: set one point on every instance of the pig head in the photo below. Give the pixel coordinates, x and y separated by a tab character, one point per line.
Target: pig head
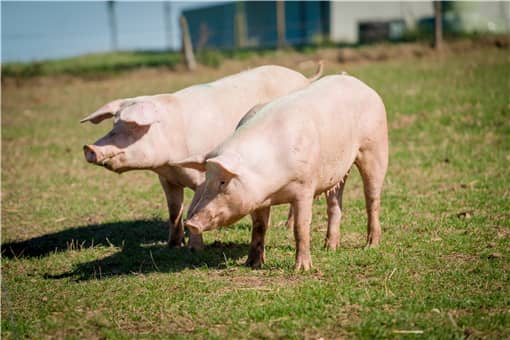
224	197
136	140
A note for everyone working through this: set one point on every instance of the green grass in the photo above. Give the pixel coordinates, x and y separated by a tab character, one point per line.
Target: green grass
93	64
91	259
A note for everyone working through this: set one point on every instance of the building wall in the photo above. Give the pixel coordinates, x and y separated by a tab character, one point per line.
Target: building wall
478	16
215	26
345	16
459	16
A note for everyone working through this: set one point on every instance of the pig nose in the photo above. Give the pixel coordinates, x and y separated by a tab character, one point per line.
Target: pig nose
194	226
90	154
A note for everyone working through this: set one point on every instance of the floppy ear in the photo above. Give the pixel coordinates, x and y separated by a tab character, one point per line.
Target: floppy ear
227	163
141	113
196	162
107	111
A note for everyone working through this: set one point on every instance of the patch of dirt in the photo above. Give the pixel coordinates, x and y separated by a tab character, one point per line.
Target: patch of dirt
460	257
403	120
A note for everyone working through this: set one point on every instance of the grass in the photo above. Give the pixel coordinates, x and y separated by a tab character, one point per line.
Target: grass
93	64
84	255
113	63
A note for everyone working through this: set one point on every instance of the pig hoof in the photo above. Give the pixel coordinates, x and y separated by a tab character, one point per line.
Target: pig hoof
255	261
195	247
303	264
196	243
331	245
176	242
373	242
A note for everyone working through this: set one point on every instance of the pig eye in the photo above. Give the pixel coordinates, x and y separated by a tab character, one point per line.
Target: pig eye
222	183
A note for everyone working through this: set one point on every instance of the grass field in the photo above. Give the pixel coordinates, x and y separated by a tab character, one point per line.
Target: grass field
84	252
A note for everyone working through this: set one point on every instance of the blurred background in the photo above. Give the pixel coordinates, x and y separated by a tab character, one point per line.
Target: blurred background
35	31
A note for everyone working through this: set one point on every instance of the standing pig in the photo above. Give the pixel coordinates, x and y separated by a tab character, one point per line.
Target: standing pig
291	150
153	132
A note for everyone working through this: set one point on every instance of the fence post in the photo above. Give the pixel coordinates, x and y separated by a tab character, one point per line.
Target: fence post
187	48
240	26
113	24
280	22
167	10
438	25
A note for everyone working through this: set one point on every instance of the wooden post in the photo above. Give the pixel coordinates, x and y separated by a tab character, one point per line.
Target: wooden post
438	26
167	15
187	48
240	26
280	22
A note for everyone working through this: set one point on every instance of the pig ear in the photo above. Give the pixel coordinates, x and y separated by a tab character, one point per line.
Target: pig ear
107	111
227	164
194	162
141	113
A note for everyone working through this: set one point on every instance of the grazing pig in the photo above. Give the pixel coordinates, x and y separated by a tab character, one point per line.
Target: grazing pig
153	132
291	150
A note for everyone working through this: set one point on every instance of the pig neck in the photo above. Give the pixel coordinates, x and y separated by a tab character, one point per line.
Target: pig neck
262	178
173	143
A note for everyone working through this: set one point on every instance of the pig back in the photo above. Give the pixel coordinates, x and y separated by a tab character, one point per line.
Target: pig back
211	111
343	114
311	135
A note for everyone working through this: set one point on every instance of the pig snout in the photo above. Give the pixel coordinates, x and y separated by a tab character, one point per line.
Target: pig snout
92	154
194	225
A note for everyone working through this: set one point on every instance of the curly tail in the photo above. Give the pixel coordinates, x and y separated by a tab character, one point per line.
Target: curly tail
318	73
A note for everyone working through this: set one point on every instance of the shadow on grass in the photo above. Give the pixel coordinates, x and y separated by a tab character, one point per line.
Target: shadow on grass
106	234
141	246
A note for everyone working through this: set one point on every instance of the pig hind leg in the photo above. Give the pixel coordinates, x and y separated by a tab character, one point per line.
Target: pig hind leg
256	256
334	210
372	163
174	198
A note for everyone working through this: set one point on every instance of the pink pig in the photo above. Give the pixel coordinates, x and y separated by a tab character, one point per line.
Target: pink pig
289	151
153	132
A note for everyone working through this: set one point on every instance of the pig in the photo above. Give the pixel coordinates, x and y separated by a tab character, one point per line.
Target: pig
289	151
153	132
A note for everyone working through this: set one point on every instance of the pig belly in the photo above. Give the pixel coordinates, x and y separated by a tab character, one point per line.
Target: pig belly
333	174
339	148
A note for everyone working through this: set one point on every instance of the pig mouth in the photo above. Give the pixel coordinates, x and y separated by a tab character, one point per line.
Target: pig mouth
198	226
110	162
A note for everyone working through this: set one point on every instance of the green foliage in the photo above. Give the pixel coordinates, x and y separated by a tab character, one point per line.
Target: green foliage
211	58
84	252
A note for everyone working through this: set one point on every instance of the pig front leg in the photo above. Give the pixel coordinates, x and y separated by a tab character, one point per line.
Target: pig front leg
302	208
196	241
174	198
256	256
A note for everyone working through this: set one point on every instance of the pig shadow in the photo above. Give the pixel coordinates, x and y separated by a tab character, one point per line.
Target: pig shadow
143	250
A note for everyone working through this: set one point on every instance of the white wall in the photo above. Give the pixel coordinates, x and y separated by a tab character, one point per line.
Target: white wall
483	16
346	15
479	16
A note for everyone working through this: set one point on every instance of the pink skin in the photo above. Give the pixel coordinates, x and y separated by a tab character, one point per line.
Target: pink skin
332	124
154	132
